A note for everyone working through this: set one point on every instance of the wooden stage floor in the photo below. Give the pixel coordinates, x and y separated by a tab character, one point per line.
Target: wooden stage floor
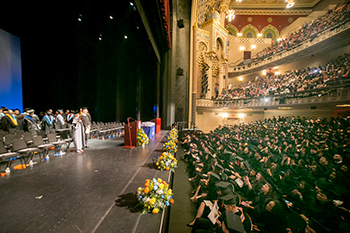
89	192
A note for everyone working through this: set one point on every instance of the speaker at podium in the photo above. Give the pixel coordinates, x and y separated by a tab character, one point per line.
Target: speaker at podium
130	134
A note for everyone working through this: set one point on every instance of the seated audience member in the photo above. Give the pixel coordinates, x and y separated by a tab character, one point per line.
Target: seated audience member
304	161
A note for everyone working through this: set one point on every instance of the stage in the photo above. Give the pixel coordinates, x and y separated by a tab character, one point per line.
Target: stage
89	192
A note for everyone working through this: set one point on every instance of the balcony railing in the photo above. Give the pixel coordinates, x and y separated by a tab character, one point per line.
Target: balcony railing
330	94
280	56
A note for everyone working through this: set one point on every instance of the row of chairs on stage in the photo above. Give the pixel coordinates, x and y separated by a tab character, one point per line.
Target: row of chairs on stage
106	130
21	145
18	144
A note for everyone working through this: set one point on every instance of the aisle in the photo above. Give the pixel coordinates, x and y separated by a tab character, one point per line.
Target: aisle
77	192
184	211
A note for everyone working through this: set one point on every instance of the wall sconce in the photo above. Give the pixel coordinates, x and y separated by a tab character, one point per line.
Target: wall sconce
253	46
264	72
259	35
239	34
242	48
240	79
224	115
241	115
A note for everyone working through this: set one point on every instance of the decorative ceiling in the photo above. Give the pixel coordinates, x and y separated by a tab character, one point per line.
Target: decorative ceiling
271	4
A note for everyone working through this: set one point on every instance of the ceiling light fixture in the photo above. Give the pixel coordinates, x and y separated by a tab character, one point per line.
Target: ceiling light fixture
230	15
290	3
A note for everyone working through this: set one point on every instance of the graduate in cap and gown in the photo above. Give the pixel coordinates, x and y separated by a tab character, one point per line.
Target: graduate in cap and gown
78	132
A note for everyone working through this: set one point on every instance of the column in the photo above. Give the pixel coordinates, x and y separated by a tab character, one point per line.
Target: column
195	75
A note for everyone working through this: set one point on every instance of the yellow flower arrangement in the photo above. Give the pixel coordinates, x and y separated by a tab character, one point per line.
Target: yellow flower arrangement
142	138
155	196
166	162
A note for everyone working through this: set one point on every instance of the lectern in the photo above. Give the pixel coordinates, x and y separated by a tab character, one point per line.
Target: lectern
130	134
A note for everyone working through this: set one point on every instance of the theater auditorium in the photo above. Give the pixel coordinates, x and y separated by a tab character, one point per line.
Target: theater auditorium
175	116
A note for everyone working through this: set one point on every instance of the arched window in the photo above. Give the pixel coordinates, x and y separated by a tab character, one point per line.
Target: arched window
249	35
269	35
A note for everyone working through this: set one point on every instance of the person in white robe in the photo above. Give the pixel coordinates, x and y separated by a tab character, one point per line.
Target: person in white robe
78	132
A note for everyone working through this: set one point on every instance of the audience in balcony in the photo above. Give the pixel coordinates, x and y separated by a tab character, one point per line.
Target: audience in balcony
272	162
293	81
339	15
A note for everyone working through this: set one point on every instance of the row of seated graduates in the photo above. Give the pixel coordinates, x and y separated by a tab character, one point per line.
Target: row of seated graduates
309	31
301	161
319	79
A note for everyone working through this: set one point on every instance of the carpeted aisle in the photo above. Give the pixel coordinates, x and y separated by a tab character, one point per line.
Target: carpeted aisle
184	210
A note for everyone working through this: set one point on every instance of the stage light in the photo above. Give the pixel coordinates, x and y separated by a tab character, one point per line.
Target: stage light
100	37
131	4
79	19
111	17
126	37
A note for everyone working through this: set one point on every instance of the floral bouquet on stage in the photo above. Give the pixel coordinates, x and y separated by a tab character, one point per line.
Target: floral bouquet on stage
173	135
170	146
155	196
142	138
166	161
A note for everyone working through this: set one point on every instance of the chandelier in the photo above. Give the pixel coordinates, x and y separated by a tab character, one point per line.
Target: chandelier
290	3
230	15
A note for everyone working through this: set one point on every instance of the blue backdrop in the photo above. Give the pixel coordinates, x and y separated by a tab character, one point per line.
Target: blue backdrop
10	71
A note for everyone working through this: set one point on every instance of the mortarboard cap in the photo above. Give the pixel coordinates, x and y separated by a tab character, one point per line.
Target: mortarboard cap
229	199
222	185
234	222
214	175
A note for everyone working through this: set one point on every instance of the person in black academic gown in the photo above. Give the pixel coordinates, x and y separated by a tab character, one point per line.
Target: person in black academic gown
8	121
